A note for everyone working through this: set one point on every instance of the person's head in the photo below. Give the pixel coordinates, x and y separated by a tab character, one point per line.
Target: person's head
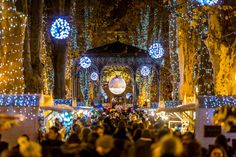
104	144
162	132
137	134
23	139
168	146
187	137
92	138
100	130
146	134
120	134
221	140
84	134
73	139
193	149
53	133
3	146
31	149
217	151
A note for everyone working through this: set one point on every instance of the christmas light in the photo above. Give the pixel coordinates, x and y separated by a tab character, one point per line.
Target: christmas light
63	101
85	62
94	76
208	2
145	70
60	29
169	104
19	100
216	101
128	95
156	50
11	45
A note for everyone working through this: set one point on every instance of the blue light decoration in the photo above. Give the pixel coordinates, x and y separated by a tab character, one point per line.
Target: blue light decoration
60	29
216	101
67	119
85	62
63	101
169	104
156	50
208	2
105	97
94	76
128	95
145	70
31	100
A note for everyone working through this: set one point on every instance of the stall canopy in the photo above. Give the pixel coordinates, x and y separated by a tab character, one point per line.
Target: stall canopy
180	108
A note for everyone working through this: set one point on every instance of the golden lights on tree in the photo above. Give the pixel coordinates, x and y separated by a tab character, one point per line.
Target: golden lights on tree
12	28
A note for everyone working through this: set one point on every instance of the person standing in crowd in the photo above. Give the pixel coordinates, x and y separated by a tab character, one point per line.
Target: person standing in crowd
222	141
52	143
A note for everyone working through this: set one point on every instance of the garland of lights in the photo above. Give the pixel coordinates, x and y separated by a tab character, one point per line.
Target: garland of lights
60	29
208	2
24	104
63	101
12	28
94	76
156	50
85	62
216	101
145	70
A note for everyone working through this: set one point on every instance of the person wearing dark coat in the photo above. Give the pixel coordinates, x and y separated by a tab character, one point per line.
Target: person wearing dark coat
143	145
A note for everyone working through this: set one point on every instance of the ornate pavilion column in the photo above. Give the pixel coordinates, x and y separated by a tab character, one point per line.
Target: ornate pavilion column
134	87
100	70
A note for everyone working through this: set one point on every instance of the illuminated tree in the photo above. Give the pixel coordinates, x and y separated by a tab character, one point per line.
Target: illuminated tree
12	27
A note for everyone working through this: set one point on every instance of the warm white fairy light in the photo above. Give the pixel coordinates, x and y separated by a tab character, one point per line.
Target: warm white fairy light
12	28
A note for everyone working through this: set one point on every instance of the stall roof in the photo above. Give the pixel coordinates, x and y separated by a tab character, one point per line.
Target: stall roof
180	108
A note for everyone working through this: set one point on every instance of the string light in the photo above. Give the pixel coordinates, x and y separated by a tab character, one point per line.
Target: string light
60	29
12	39
216	101
208	2
19	100
94	76
145	70
85	62
63	101
156	50
169	104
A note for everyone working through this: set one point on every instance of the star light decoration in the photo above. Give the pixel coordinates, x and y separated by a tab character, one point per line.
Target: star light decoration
156	50
208	2
94	76
85	62
60	29
145	70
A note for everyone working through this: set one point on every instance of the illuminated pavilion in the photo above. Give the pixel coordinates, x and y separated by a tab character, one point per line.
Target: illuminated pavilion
117	60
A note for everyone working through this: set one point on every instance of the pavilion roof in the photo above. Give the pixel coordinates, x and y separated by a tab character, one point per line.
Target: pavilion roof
117	49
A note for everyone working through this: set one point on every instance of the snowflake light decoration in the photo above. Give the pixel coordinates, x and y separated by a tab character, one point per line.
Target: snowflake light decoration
156	50
208	2
85	62
94	76
145	71
60	29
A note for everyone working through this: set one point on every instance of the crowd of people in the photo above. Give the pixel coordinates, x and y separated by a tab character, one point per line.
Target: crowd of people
118	134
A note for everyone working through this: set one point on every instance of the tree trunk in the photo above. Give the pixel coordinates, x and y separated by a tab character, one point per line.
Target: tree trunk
223	58
33	67
59	57
36	45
